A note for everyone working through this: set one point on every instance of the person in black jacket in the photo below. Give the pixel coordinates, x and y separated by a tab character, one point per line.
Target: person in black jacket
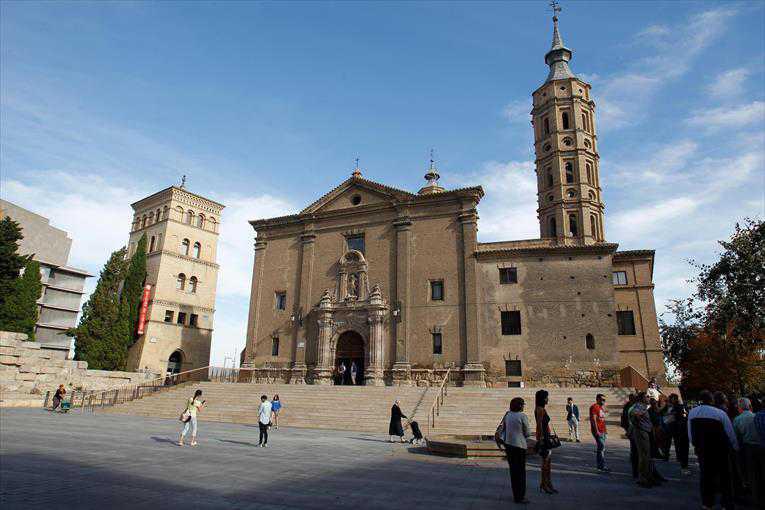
395	428
625	423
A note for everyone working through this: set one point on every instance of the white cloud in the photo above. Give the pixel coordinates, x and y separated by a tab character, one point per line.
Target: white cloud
664	164
639	223
518	111
728	117
729	84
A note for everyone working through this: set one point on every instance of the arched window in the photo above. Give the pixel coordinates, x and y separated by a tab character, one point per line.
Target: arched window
594	226
589	172
564	118
151	244
585	124
151	218
213	224
589	341
179	210
193	284
174	363
197	249
181	283
201	221
553	228
159	241
158	215
569	172
190	217
573	227
185	244
549	178
143	221
546	122
592	196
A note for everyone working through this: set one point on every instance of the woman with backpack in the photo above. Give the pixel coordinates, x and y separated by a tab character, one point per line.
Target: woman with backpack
189	418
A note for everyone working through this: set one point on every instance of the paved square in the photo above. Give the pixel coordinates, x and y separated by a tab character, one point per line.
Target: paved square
106	461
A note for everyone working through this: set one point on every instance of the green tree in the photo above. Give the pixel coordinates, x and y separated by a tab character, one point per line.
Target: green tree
11	263
726	314
132	290
19	311
98	337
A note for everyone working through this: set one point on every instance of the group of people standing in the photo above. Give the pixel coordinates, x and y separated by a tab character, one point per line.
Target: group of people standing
346	375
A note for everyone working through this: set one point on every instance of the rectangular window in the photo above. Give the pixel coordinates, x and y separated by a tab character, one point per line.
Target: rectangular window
355	242
281	300
169	315
193	319
513	384
275	346
182	318
438	347
626	322
513	367
437	290
620	277
511	323
508	275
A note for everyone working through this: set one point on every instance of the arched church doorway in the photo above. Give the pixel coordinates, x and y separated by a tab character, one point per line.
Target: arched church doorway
349	359
174	363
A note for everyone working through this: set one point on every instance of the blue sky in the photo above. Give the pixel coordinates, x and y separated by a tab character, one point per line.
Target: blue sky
265	105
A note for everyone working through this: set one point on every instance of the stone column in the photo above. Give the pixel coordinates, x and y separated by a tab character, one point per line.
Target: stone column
299	368
473	370
325	363
402	367
373	374
255	295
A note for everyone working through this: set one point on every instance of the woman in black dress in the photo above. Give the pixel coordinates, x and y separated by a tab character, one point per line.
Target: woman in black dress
543	440
395	428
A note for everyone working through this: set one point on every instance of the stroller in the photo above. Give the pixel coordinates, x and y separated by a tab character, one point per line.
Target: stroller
416	433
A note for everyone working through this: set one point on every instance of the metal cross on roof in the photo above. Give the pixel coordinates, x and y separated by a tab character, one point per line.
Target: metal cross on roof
555	7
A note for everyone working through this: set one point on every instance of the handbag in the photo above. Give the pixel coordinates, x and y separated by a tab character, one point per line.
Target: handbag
552	441
499	433
185	416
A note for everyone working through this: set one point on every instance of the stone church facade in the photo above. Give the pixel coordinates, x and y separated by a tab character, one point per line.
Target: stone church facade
397	283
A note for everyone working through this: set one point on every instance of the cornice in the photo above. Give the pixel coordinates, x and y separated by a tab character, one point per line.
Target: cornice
182	305
183	257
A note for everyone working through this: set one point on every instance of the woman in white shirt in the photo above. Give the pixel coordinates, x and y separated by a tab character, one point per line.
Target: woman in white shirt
511	436
193	405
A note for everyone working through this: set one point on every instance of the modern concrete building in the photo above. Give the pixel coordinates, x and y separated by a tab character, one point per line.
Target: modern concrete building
181	230
396	282
62	284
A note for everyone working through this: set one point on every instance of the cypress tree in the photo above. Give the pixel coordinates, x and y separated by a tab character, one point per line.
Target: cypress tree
19	311
130	299
11	262
98	337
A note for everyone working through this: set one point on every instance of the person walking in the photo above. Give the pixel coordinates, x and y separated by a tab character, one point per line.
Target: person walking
598	429
58	396
749	441
625	424
264	420
572	418
276	406
511	436
395	428
641	429
341	373
713	438
354	372
193	406
544	443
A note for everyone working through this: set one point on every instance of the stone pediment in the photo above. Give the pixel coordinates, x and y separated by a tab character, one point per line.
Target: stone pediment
357	192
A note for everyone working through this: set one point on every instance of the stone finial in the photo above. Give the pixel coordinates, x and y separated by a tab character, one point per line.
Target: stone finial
326	300
375	296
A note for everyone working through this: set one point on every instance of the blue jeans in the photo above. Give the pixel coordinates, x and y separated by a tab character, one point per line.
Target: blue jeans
600	450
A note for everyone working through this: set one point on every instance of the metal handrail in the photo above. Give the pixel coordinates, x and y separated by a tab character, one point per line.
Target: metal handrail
435	409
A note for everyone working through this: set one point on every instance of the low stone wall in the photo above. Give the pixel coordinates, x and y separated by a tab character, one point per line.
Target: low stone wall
27	372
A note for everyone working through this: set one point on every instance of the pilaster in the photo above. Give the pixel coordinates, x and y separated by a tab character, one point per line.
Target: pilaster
255	295
299	369
403	281
473	369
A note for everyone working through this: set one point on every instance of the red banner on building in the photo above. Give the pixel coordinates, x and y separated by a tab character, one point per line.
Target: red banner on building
144	309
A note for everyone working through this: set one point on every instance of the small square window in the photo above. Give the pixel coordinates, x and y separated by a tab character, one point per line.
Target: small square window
625	320
275	346
620	277
508	275
281	300
437	290
193	319
511	322
355	242
169	314
513	367
182	318
438	347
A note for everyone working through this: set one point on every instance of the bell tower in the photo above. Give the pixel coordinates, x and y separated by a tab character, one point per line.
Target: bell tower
571	209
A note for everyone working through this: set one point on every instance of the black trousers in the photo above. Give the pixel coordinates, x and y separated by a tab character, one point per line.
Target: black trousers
633	457
516	460
680	438
263	433
714	476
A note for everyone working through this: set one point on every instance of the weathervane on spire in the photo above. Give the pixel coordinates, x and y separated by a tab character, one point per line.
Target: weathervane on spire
432	160
356	170
183	181
556	8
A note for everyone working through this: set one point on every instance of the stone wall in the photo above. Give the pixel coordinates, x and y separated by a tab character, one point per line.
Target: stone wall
27	372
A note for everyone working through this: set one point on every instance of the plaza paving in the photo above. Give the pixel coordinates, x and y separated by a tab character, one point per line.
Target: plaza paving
106	461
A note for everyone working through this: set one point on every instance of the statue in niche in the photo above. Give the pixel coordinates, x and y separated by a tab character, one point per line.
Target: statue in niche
353	286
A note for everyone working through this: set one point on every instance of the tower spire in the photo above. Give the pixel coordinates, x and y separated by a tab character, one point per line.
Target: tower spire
558	56
432	178
356	171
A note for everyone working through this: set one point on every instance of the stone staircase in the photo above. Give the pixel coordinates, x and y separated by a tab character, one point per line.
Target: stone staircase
358	408
367	408
479	410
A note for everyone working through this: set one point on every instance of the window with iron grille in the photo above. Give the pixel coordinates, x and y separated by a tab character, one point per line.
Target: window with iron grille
511	322
508	275
626	321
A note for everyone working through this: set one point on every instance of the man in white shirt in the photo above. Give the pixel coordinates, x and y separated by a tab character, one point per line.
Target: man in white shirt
712	435
264	420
